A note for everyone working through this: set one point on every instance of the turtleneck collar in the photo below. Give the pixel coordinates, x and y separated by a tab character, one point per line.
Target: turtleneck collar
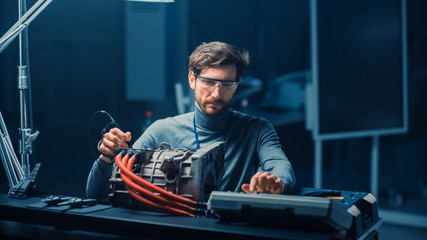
207	122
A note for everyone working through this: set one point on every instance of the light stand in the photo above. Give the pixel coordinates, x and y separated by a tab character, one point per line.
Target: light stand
25	104
24	87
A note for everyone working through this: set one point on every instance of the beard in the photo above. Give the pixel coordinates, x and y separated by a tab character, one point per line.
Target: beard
210	111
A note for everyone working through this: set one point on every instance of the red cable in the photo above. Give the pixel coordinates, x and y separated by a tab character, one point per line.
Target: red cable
146	192
147	201
158	206
149	185
134	194
150	203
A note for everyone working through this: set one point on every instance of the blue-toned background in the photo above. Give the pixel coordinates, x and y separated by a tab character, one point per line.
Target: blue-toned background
92	55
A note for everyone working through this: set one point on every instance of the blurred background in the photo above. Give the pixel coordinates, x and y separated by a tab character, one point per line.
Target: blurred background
129	58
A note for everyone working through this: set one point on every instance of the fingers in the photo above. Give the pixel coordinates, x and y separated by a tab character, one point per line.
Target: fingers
253	185
123	136
115	138
264	182
245	188
280	186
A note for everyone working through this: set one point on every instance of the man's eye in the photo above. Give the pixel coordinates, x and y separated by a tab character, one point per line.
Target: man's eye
228	85
210	83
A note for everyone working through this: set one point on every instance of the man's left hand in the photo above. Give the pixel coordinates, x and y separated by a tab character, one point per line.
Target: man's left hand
264	182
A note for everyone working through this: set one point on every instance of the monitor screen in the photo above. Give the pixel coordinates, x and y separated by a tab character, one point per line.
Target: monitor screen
359	68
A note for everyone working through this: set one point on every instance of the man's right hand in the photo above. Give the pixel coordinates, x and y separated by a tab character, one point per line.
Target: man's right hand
115	138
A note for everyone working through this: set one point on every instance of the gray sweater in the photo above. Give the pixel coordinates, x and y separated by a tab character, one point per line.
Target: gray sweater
251	145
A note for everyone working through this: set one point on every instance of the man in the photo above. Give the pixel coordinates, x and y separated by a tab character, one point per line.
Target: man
254	160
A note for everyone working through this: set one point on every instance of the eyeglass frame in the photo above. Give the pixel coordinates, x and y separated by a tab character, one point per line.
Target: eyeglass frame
219	80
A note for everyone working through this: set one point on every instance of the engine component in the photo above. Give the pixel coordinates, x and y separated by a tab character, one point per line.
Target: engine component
193	175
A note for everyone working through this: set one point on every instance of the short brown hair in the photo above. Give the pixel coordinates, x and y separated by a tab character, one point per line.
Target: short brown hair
217	54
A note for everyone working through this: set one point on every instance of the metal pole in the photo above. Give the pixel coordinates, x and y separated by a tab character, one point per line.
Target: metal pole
375	162
14	170
23	87
318	163
22	23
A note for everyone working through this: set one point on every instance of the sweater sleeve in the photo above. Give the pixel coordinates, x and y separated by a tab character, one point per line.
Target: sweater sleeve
148	138
97	183
272	158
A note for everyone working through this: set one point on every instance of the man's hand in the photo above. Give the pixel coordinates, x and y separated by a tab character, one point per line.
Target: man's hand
115	138
264	182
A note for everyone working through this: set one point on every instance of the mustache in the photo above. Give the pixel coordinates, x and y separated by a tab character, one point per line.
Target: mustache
216	101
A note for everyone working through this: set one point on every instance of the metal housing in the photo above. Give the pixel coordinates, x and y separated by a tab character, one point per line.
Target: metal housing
193	175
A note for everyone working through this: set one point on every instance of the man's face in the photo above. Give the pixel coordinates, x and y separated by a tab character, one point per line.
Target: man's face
214	100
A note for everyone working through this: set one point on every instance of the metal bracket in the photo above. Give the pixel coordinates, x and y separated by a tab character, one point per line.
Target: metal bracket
29	138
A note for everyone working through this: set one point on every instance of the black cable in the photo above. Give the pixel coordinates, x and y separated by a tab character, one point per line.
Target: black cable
107	127
103	153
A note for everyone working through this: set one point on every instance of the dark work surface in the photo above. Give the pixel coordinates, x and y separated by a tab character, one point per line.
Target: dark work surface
130	223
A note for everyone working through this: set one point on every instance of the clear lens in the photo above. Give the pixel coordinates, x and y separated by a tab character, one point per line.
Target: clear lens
211	85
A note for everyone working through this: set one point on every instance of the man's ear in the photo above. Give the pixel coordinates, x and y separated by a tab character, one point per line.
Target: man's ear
192	80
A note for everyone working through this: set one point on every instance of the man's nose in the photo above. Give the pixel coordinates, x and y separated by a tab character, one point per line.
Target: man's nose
217	91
